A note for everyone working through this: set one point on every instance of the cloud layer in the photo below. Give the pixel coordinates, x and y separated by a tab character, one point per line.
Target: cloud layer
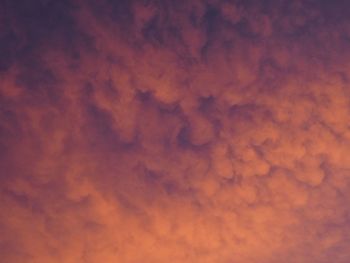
174	131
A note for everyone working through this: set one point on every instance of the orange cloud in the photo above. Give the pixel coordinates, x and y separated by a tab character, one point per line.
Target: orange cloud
198	131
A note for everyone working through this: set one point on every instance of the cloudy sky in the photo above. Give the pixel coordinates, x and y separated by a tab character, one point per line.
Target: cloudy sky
182	131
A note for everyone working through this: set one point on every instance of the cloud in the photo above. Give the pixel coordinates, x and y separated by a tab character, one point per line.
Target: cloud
147	131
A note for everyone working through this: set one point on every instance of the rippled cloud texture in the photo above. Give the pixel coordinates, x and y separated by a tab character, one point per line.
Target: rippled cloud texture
174	131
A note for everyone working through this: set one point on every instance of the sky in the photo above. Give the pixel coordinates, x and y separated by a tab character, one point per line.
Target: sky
152	131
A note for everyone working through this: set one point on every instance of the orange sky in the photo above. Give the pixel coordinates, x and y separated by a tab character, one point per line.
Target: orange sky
209	131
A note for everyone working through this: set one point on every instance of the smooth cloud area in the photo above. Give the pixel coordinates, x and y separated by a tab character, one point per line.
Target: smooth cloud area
174	131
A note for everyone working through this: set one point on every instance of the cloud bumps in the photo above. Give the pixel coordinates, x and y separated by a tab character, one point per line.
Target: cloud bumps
187	131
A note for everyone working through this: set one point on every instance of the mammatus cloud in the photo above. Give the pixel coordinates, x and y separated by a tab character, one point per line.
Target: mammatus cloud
174	131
